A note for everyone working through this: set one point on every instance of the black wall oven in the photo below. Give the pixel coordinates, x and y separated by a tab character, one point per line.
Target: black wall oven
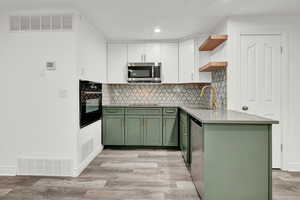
90	102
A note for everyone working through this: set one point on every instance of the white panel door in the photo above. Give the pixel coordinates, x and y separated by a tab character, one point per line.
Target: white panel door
152	52
169	60
260	82
186	61
117	63
136	52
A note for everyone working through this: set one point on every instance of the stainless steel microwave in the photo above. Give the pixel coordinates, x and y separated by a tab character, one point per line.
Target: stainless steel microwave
144	72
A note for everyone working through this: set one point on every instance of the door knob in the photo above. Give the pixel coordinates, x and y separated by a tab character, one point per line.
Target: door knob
245	108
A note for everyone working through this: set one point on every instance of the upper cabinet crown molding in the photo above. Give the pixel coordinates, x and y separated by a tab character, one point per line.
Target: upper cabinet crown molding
213	42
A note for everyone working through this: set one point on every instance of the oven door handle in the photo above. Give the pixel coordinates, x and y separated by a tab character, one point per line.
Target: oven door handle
92	92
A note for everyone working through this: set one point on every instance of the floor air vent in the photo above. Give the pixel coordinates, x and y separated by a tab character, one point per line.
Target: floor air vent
41	23
45	167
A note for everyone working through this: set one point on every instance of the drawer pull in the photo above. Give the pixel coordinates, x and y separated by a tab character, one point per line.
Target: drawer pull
170	111
112	111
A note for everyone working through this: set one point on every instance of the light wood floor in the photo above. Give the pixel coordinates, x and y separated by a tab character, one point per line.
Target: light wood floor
128	175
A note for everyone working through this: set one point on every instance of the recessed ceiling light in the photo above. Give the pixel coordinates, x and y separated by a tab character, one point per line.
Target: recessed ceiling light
157	30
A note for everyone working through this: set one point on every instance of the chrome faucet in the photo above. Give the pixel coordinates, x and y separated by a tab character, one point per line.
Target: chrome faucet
214	104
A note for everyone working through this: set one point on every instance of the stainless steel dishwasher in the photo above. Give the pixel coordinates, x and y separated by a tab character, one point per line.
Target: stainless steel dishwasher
197	151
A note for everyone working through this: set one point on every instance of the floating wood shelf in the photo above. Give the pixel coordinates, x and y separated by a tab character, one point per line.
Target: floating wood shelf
212	42
213	66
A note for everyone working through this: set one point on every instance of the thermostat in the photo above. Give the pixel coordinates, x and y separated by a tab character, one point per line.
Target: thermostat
51	65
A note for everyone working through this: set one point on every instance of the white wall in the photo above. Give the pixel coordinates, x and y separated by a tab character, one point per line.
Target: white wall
91	66
220	53
40	109
91	52
36	121
290	28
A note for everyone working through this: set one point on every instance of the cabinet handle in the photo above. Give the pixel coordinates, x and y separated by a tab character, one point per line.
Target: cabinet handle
122	127
144	57
111	111
170	111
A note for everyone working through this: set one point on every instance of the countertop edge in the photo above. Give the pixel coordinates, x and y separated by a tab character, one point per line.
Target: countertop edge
260	121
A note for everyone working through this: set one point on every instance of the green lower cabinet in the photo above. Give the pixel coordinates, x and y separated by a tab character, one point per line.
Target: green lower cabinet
140	126
113	130
237	162
184	136
134	130
152	130
170	131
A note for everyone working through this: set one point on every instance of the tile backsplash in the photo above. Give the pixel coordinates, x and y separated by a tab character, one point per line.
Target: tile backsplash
154	94
124	94
219	81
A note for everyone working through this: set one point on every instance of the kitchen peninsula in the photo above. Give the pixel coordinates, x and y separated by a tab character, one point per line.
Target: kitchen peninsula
227	152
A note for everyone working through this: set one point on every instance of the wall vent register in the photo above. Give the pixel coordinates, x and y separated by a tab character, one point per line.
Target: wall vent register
41	23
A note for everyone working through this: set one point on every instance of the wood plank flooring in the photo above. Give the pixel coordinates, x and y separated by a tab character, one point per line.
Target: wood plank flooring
128	175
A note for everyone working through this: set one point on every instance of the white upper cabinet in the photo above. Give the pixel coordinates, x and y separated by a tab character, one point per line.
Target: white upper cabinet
149	52
186	61
117	63
190	59
169	60
136	52
152	52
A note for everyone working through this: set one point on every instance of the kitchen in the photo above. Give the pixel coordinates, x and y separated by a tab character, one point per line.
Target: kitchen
166	113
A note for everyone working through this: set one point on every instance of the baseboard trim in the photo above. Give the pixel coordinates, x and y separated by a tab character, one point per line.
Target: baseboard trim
294	167
87	161
8	170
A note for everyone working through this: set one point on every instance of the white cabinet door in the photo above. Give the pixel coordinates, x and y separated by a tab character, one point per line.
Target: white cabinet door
186	61
117	63
169	60
152	52
136	52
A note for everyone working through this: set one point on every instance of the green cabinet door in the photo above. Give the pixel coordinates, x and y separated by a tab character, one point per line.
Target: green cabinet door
181	133
113	127
152	130
170	131
237	162
134	128
184	141
184	137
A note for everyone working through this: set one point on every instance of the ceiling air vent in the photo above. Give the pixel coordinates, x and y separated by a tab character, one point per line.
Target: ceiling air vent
35	23
46	22
56	22
25	23
41	23
67	22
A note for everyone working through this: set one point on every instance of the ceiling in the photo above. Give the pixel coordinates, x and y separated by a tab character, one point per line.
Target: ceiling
136	19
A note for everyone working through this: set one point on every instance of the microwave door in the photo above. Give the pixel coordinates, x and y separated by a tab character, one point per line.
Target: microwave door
139	72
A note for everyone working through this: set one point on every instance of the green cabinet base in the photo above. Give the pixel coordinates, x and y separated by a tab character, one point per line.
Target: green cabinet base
237	162
149	127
